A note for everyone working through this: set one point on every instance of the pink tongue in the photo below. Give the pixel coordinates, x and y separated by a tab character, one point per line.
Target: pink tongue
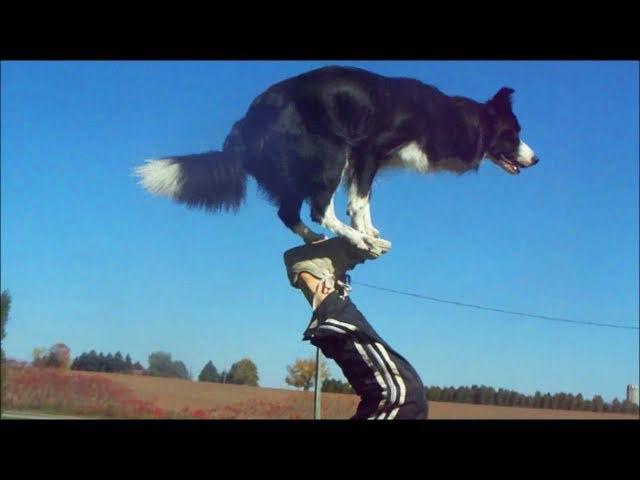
508	164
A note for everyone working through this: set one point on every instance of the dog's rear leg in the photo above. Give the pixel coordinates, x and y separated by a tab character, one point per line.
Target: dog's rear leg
323	212
289	213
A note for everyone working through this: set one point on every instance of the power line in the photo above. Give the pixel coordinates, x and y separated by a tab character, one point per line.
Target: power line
491	309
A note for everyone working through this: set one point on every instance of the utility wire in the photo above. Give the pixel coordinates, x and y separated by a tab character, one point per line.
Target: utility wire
491	309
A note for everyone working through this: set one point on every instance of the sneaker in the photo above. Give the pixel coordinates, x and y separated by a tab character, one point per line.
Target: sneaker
328	260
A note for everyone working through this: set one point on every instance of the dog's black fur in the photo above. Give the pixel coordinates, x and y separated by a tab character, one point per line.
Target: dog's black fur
302	136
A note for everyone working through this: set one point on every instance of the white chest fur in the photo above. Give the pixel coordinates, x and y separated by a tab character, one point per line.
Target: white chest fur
413	157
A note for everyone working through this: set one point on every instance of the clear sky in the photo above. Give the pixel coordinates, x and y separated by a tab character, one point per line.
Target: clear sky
95	262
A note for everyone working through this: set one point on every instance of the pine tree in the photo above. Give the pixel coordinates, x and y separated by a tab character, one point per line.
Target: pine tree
501	397
443	394
118	362
562	401
491	396
92	361
108	361
477	394
127	363
452	393
579	402
598	403
80	362
437	393
616	406
458	395
209	373
571	402
428	391
537	400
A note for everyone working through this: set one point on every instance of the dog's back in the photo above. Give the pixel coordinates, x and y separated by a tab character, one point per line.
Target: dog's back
345	104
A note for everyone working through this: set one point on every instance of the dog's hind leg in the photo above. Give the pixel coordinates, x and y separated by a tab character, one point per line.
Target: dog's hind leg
289	213
359	209
323	212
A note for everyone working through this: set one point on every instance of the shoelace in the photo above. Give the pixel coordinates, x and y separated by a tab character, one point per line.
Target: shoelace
345	287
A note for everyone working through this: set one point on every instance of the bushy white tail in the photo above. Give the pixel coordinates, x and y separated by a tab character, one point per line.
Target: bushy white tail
211	180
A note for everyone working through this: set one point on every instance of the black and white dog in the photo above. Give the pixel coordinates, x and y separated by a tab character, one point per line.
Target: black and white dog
306	135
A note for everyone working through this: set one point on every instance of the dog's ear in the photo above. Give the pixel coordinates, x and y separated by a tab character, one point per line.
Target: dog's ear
502	100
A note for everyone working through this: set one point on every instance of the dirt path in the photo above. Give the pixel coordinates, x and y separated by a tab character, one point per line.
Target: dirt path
20	415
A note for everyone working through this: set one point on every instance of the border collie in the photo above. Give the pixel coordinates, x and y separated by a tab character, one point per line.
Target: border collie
306	135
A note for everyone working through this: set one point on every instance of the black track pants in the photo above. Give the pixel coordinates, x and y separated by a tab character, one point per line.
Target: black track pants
388	386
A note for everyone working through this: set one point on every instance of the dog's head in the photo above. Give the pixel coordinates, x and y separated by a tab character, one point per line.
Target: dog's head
505	148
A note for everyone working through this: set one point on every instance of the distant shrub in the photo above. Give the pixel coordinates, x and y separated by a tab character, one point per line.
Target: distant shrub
161	365
332	385
243	372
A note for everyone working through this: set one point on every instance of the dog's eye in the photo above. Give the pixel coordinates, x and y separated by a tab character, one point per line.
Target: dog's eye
509	137
509	134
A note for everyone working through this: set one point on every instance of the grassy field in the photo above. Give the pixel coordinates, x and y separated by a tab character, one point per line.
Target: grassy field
130	396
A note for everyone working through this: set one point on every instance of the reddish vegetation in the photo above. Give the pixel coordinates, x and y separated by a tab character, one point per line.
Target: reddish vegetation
51	389
98	395
133	396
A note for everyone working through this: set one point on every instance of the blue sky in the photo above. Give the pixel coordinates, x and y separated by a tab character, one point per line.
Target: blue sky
95	262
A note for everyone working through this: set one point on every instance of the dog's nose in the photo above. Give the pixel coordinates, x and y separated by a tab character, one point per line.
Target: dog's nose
534	160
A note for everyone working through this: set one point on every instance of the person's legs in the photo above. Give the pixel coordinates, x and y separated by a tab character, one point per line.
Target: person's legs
388	385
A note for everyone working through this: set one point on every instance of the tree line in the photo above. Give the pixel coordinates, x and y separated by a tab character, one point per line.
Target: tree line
160	364
483	395
242	372
99	362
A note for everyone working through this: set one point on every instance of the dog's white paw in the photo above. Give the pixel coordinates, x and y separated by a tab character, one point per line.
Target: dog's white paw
381	243
368	230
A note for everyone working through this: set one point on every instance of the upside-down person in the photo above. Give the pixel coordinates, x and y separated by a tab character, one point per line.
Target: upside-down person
388	386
